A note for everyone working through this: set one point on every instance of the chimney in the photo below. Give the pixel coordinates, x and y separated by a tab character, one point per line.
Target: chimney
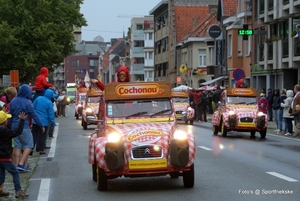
195	22
213	9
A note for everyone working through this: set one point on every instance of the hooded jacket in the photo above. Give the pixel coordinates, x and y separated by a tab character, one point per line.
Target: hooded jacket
287	104
41	81
44	108
276	100
22	103
270	97
124	69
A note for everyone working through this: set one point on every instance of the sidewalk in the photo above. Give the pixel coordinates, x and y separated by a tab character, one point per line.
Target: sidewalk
24	178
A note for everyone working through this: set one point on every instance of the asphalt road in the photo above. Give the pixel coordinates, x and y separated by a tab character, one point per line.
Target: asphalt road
231	168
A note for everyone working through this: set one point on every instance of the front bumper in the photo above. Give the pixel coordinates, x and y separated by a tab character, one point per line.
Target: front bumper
91	119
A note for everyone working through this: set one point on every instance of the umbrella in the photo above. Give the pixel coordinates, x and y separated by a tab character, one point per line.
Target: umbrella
1	104
210	88
181	88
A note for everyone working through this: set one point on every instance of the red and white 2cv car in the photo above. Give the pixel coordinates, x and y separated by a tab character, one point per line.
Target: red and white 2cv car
138	136
238	111
182	108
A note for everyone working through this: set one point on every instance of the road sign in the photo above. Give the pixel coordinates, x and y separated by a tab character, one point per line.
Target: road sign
238	74
214	31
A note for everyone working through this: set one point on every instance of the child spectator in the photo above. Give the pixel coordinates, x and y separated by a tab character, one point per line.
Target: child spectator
41	83
5	154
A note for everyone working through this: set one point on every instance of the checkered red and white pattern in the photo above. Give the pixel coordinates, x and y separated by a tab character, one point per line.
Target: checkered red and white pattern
97	145
240	111
184	107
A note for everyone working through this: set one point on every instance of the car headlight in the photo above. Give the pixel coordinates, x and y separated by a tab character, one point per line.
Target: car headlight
180	135
113	137
189	108
89	110
231	112
260	114
79	105
68	99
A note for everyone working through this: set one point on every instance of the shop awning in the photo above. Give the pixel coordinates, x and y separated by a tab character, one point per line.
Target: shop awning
214	80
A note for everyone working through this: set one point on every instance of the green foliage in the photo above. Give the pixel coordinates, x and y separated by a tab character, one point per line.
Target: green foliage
37	33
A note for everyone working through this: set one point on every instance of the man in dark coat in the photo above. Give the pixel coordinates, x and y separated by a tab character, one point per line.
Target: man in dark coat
270	100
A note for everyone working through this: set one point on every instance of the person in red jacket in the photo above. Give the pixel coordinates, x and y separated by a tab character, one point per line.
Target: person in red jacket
41	83
123	75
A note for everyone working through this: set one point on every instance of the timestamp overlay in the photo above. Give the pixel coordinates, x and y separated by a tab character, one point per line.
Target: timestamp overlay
265	191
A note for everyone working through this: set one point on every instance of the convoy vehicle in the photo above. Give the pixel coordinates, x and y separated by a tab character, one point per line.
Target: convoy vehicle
238	111
137	135
80	97
71	90
90	109
182	108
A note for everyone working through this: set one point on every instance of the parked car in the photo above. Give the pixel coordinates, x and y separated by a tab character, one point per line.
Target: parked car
137	135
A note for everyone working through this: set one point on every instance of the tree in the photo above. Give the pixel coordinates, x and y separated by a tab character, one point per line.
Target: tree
37	33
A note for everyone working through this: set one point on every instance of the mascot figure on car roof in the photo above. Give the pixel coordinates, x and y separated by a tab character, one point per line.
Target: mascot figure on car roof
240	84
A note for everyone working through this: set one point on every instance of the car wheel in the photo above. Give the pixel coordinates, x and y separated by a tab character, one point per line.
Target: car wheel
186	122
94	170
101	180
252	134
189	177
216	130
263	133
77	116
224	130
84	124
191	122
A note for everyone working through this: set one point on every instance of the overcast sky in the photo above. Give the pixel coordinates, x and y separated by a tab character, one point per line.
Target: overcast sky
102	16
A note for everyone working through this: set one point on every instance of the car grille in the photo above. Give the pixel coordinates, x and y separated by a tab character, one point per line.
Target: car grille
246	119
178	112
148	151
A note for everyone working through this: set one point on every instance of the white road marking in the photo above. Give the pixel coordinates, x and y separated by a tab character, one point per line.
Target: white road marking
282	177
44	190
53	142
205	148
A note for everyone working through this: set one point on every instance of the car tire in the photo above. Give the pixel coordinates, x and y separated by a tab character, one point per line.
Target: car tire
94	170
263	133
252	134
189	177
224	129
84	124
191	122
101	180
215	130
77	116
186	122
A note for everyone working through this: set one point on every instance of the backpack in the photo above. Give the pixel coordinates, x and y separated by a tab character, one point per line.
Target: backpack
204	100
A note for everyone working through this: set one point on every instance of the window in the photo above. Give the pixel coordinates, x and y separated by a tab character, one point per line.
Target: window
139	27
150	36
146	53
248	46
240	46
202	58
211	55
150	55
229	45
74	63
94	62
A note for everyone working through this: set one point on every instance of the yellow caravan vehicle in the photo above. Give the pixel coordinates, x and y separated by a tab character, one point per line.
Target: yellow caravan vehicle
182	108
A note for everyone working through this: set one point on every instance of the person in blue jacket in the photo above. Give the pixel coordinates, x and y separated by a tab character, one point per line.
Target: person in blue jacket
44	109
22	103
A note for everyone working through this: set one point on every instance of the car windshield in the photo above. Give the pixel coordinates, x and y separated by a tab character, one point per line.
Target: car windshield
180	100
134	108
82	98
71	93
241	100
93	99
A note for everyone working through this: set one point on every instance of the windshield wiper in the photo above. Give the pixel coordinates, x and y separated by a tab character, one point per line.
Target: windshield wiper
160	112
136	114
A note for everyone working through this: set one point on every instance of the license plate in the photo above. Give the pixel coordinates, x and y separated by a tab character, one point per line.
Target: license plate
147	164
178	115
